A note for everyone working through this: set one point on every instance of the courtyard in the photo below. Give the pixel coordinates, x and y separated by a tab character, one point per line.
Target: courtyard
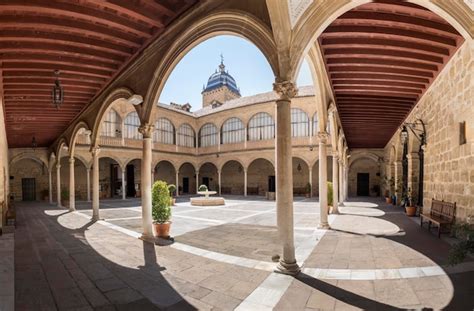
374	257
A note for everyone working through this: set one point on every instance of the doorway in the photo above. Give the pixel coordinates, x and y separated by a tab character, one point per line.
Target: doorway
131	180
185	185
205	181
271	184
363	184
28	189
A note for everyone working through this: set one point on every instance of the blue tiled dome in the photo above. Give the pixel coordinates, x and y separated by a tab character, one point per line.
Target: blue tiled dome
221	78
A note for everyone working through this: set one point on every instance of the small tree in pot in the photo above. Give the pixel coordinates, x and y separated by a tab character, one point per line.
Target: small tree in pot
172	190
161	211
308	190
65	198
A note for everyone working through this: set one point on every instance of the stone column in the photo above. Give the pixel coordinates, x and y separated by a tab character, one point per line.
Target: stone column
335	184
124	188
72	197
398	179
95	183
50	180
323	186
219	181
177	183
197	181
310	171
58	182
88	180
245	182
284	177
146	130
341	182
346	180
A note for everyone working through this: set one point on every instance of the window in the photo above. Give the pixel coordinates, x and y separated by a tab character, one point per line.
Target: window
132	123
462	133
261	127
208	135
111	125
233	131
186	136
299	123
315	125
164	132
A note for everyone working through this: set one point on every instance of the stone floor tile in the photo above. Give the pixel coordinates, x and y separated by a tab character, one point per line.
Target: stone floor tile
320	300
113	283
123	296
221	300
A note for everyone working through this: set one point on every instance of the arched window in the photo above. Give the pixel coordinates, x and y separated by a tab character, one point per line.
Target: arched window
111	125
315	125
299	123
208	135
186	136
164	132
261	127
132	123
233	131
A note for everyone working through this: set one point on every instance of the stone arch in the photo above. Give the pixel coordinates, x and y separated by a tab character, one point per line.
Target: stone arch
300	175
167	172
87	164
227	22
61	143
187	178
199	133
80	126
120	94
363	155
29	156
234	184
256	157
208	175
258	180
312	23
113	157
224	162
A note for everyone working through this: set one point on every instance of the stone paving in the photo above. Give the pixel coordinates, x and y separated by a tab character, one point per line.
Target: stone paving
374	258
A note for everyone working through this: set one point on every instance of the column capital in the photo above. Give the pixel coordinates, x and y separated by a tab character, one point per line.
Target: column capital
323	137
72	160
285	89
58	166
95	151
146	130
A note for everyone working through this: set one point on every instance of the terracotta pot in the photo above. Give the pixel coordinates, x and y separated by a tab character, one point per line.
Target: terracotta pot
411	210
172	201
388	200
162	230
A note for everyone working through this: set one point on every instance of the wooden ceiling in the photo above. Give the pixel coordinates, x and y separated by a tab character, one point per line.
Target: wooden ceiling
89	41
381	57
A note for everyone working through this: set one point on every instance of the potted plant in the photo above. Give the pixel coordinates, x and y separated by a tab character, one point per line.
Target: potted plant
388	183
308	190
45	195
65	198
330	195
172	190
410	208
202	188
161	211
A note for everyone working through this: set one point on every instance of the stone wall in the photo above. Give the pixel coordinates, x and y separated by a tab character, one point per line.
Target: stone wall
364	165
27	168
449	165
4	176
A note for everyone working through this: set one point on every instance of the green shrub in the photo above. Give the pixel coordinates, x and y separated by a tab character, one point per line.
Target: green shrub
160	197
202	188
65	194
330	193
172	189
308	188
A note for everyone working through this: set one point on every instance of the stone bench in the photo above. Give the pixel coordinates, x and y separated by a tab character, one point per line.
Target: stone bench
210	201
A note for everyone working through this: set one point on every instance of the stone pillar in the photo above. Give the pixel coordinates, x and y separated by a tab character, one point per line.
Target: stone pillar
219	181
341	182
346	181
398	179
50	180
311	181
177	183
72	196
124	188
245	182
146	130
58	182
88	180
95	183
197	181
335	184
323	186
284	177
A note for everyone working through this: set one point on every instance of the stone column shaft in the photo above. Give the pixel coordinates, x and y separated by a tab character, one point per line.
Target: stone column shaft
245	182
146	130
310	171
197	181
58	182
335	184
50	180
219	178
124	188
95	183
88	180
323	187
284	177
341	183
177	184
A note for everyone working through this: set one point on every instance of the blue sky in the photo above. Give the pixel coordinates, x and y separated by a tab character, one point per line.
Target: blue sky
242	59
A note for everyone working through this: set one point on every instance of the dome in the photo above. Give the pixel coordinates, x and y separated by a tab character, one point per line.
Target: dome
221	78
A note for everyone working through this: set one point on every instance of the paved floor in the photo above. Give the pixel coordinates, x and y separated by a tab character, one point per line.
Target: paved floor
374	258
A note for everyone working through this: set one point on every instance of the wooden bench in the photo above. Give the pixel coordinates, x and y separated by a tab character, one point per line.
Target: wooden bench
442	214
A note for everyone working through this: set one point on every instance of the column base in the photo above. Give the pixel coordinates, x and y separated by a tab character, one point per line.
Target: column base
72	209
341	204
324	226
287	268
336	212
95	218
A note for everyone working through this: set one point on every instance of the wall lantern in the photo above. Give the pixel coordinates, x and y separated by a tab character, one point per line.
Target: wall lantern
299	167
34	144
57	92
420	134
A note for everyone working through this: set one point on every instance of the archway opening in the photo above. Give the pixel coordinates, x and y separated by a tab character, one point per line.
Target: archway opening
260	177
364	178
232	178
208	176
187	179
165	171
300	177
